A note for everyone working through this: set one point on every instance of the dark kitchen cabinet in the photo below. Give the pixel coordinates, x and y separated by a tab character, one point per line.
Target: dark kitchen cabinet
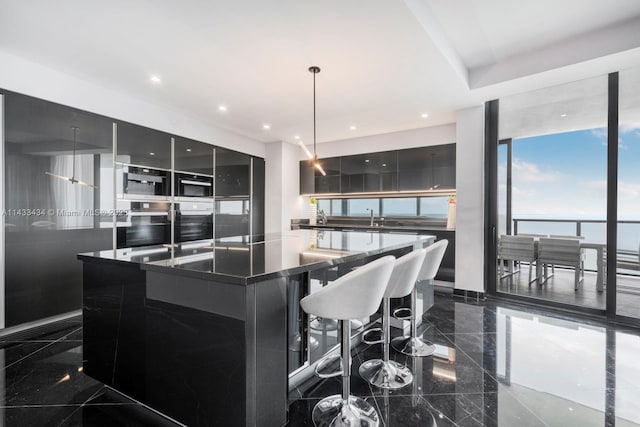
414	169
193	156
232	173
329	183
307	177
138	145
369	173
427	168
41	274
257	198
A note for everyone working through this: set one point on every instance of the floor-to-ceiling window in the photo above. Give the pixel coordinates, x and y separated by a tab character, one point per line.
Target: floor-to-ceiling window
552	205
567	193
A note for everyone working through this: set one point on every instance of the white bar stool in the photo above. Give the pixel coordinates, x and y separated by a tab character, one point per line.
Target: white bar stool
355	295
414	345
385	373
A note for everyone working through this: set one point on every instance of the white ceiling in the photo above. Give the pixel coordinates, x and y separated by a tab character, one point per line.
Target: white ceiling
384	63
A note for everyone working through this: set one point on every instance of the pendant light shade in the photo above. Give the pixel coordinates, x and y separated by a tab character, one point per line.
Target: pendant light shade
316	164
72	179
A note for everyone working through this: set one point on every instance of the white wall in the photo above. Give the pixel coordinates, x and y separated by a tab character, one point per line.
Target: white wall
435	135
282	176
470	199
29	78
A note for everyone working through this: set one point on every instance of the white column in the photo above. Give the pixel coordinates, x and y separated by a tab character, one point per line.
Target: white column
282	185
470	199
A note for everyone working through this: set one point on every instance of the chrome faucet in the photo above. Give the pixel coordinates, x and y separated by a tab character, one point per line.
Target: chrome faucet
370	217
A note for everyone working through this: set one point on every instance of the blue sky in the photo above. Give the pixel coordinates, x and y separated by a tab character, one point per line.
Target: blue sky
564	175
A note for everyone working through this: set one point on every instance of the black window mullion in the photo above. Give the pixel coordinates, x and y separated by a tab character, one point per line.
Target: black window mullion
612	194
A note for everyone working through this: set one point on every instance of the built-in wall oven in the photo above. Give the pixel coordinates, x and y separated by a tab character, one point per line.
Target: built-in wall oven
146	223
193	221
190	185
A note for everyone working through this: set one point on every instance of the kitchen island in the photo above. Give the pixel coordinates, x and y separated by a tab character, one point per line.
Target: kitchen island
201	331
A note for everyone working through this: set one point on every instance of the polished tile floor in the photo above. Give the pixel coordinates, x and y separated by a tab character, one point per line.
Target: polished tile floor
496	364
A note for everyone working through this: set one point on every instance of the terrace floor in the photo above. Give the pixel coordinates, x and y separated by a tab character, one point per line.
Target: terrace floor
560	288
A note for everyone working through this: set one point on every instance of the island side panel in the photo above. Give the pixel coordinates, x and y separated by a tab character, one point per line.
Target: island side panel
199	349
113	324
267	378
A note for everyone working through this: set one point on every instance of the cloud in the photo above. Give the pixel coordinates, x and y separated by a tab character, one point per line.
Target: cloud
630	128
526	172
622	145
600	133
628	191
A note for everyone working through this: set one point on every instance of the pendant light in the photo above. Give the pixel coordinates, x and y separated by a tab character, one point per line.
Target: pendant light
73	179
316	164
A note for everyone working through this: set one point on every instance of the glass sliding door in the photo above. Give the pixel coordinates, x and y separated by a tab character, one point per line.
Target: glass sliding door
628	251
554	146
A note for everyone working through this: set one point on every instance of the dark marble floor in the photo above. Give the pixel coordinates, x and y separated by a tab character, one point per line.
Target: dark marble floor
496	365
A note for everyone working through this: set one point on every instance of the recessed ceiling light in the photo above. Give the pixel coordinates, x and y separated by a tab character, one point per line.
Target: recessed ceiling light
352	127
296	136
424	115
366	160
152	154
384	164
563	115
155	79
266	126
189	149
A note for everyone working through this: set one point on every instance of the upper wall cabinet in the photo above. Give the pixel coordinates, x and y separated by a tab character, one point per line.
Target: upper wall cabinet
427	168
329	183
138	145
368	173
416	169
193	156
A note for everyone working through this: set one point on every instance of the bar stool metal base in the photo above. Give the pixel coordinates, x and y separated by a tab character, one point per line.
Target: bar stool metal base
320	324
387	375
416	347
331	412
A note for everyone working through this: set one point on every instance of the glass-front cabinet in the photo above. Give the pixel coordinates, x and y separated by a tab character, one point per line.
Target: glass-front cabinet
414	169
141	146
65	193
373	172
58	195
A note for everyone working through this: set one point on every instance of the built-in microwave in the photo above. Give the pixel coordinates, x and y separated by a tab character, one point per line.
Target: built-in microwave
188	185
145	181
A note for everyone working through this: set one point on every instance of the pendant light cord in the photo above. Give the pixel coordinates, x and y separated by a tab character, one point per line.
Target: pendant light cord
315	70
315	155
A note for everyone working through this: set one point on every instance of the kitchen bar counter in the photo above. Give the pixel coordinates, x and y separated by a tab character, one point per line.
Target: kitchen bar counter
380	228
447	268
200	332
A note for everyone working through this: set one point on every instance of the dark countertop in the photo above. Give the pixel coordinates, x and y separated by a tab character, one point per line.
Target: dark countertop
381	228
239	260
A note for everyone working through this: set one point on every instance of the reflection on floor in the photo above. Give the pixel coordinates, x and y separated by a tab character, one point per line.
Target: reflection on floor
496	365
560	288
